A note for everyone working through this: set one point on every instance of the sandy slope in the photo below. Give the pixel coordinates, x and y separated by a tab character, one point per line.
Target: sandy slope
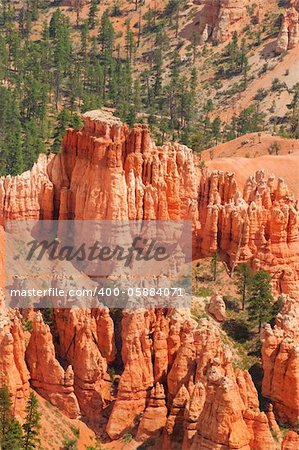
285	166
251	145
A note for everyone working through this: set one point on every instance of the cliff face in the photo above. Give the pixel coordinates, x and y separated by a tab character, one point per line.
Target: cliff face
124	176
47	376
13	370
289	33
259	224
174	379
107	171
220	18
29	195
280	353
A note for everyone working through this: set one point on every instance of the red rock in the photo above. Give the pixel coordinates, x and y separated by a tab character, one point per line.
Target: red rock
289	33
47	376
273	424
193	410
105	333
217	308
137	376
280	354
27	196
78	346
13	371
220	18
290	441
154	418
160	346
184	363
261	436
107	171
221	421
174	429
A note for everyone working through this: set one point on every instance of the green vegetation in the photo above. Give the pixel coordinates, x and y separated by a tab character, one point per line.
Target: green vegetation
75	431
214	265
48	79
244	276
294	111
31	425
127	437
27	324
274	148
13	436
70	444
260	299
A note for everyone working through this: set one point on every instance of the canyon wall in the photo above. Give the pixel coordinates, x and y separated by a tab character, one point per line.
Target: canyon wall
158	373
108	172
280	355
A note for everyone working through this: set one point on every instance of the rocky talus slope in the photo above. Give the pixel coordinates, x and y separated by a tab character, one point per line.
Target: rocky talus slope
157	373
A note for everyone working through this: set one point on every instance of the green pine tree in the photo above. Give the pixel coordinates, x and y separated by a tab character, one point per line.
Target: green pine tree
31	426
243	275
92	13
260	299
214	265
5	405
13	437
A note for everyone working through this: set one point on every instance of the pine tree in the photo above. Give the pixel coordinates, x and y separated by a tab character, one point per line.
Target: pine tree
106	41
214	265
216	129
243	275
5	405
130	45
294	107
31	426
62	52
13	437
10	428
260	299
92	13
194	42
3	59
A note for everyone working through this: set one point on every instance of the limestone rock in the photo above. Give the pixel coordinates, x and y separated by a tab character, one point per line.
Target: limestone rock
290	441
47	376
289	33
280	354
217	308
13	371
220	18
137	376
154	418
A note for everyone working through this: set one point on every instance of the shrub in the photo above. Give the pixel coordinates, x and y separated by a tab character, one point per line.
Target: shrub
261	94
127	437
27	324
70	444
278	86
274	148
75	431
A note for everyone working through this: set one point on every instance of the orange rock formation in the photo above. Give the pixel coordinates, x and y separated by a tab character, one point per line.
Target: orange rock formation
289	33
176	378
280	353
219	18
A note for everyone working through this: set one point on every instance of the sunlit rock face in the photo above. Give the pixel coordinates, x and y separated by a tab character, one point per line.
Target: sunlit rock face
280	354
289	32
176	381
